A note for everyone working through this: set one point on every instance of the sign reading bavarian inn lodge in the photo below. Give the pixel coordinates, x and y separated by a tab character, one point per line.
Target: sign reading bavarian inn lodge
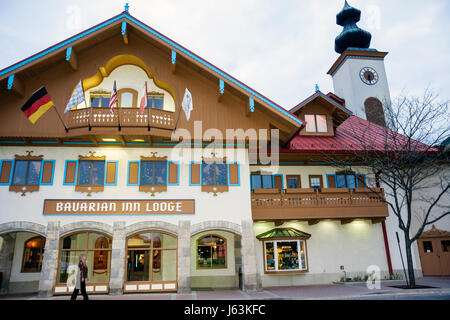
119	206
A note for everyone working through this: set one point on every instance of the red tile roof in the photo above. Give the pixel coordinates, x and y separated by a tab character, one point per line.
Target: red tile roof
348	137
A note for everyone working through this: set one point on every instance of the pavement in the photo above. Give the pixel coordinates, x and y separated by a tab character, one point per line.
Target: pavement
335	291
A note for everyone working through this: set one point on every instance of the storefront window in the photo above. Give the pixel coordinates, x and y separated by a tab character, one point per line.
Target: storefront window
151	256
33	253
96	247
286	255
211	252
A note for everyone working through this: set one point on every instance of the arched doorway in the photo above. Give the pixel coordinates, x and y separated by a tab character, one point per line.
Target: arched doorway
97	248
215	260
151	262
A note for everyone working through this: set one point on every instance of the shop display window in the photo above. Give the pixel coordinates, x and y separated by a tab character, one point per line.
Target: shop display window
33	253
211	252
285	255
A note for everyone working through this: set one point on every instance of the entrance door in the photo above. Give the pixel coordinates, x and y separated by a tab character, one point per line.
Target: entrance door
434	252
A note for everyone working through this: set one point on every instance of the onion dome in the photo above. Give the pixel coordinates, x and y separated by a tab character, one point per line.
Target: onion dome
352	36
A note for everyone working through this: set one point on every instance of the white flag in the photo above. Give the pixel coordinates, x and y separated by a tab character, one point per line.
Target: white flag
187	104
76	98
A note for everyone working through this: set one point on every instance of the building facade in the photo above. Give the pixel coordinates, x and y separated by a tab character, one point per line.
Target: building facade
163	200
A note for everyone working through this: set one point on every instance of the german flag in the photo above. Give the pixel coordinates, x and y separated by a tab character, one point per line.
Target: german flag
37	105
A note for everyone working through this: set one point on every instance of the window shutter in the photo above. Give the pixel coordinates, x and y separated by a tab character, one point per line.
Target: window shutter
233	174
70	172
111	173
48	169
194	174
173	173
6	172
278	181
361	180
133	173
331	180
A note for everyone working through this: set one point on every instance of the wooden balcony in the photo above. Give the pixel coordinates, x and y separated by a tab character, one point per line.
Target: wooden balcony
126	117
315	204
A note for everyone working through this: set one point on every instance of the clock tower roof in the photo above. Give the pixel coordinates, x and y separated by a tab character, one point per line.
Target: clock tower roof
352	36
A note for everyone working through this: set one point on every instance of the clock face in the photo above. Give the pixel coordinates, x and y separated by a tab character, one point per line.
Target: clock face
368	75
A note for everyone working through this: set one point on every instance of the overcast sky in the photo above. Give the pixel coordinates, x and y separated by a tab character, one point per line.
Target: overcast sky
279	48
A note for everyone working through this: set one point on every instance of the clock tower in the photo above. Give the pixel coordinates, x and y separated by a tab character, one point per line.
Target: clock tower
359	76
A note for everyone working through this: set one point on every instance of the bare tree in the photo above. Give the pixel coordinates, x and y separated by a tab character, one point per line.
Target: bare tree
403	157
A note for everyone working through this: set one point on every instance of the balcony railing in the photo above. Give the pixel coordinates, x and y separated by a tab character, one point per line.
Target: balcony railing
126	117
331	203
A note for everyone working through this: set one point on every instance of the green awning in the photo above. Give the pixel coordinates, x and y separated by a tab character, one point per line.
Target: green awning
283	233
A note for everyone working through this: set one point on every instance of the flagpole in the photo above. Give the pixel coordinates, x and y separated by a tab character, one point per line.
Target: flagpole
178	118
85	104
59	116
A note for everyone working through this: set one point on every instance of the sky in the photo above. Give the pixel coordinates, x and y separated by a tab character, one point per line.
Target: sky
279	48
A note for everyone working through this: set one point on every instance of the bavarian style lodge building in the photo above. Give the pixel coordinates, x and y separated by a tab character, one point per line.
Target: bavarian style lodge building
92	161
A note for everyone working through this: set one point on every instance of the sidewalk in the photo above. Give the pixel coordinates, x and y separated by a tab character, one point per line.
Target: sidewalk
339	291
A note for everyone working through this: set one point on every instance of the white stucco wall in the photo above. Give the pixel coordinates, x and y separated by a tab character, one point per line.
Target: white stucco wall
348	85
232	206
356	246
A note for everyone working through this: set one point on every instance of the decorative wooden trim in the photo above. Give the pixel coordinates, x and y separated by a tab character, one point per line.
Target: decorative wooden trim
174	61
28	156
89	189
71	58
346	221
124	32
92	157
16	85
24	189
153	157
153	189
434	233
215	189
313	222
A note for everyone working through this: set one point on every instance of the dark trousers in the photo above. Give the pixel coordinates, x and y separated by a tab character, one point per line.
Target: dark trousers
83	292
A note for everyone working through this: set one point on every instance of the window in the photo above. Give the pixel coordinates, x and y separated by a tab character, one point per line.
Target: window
96	247
315	181
316	123
26	172
100	100
211	252
126	100
91	172
262	181
151	256
285	255
153	173
33	254
346	180
445	245
293	182
155	101
427	247
214	174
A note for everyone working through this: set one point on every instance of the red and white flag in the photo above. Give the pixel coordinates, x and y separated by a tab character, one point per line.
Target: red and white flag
113	99
142	98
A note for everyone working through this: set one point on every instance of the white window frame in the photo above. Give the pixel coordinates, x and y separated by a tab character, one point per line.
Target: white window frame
275	243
